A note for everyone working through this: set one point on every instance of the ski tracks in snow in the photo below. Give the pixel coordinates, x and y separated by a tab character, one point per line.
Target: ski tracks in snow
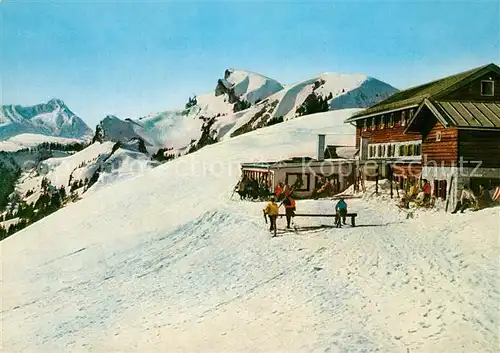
219	282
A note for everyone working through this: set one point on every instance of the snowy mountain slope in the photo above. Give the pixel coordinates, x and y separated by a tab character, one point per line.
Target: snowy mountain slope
61	170
242	102
22	141
338	90
250	86
369	92
39	182
167	262
344	90
177	129
171	129
103	158
53	118
113	129
123	164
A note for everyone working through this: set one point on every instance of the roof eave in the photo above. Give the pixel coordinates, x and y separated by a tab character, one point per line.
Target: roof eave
474	73
358	117
427	103
489	128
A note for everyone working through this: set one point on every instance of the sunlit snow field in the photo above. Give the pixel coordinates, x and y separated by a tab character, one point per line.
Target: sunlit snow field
167	262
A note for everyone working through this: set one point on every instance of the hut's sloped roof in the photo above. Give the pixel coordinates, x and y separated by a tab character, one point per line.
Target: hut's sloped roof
470	114
431	90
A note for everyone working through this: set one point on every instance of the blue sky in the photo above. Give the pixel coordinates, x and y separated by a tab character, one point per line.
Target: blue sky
133	58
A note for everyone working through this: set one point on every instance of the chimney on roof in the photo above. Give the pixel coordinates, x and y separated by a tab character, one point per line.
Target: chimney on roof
321	147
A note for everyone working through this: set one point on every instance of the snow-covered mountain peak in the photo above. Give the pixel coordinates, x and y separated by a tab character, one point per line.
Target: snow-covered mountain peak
342	74
236	76
111	117
244	101
329	90
249	86
53	118
56	102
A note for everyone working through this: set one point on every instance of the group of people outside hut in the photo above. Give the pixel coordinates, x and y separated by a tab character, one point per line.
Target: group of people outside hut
421	195
469	200
418	192
284	193
251	188
325	187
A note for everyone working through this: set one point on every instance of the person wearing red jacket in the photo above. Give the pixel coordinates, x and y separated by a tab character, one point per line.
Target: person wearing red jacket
278	191
427	191
289	209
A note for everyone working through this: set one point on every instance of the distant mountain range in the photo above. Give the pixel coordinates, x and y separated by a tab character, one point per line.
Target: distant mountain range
53	118
243	101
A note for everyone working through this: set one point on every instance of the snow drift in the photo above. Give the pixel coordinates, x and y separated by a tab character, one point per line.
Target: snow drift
167	262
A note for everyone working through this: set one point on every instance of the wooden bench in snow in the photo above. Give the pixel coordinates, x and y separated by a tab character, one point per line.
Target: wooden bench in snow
345	197
351	215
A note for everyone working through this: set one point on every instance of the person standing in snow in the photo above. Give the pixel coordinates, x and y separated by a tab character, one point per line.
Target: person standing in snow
484	200
427	191
467	199
272	210
286	191
241	187
289	209
278	191
340	212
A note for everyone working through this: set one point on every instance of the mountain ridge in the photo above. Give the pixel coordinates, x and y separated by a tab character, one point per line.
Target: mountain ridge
53	118
243	101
